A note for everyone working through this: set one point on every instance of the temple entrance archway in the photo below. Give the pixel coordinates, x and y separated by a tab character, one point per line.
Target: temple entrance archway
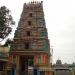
24	63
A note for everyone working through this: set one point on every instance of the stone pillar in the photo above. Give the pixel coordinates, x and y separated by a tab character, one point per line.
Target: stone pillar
26	66
17	65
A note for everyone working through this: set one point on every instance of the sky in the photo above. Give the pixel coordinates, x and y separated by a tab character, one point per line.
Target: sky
60	22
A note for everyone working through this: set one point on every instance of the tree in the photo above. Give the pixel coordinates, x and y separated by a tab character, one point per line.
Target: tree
6	22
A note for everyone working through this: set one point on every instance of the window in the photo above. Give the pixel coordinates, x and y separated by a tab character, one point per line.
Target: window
28	33
30	14
29	22
26	45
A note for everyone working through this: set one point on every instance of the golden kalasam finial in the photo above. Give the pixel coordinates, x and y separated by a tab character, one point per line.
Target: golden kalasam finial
36	2
33	1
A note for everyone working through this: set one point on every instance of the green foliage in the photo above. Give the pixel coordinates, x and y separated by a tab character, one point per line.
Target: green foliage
11	48
6	22
7	43
16	33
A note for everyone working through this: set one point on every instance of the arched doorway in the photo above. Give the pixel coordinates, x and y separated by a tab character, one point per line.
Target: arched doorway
25	62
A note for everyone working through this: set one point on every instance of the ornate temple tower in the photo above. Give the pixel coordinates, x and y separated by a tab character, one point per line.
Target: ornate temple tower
30	50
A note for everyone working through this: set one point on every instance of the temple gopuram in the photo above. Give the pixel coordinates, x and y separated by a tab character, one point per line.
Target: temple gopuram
30	51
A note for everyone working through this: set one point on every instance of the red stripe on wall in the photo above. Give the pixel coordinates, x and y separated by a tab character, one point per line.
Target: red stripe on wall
44	59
